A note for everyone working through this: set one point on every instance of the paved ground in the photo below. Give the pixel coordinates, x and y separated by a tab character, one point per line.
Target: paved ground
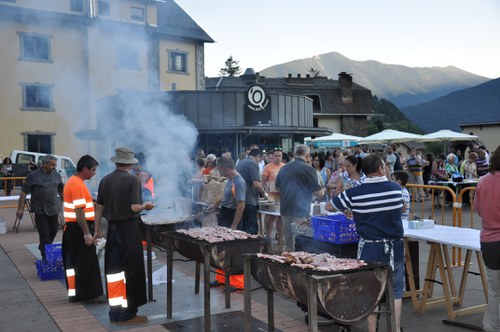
27	303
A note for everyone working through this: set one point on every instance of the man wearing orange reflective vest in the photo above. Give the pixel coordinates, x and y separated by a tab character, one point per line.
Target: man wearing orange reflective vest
146	178
119	200
83	276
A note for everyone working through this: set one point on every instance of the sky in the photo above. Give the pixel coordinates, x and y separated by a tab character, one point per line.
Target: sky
423	33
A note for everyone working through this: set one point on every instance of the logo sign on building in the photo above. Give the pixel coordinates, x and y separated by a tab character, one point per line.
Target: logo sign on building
257	107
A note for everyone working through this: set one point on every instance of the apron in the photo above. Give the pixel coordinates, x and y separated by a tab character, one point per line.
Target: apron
83	275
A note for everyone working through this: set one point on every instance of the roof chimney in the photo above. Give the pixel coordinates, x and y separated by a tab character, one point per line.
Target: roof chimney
345	85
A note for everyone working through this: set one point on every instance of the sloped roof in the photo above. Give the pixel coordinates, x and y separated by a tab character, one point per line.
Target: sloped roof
174	21
237	82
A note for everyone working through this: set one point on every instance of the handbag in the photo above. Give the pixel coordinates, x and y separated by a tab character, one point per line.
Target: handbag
457	177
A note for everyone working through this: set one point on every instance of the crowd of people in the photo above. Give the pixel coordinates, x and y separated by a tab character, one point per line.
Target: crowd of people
367	186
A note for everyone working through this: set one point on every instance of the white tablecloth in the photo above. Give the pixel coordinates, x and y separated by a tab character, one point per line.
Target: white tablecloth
460	237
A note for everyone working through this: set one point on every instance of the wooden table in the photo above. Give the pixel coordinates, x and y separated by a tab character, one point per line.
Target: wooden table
440	238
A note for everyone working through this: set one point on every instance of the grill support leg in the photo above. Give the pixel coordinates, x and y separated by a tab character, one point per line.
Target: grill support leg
247	295
206	281
170	275
227	290
270	310
149	262
197	278
389	303
312	304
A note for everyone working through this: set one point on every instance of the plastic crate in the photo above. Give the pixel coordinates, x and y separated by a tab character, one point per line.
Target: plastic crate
334	228
53	253
47	271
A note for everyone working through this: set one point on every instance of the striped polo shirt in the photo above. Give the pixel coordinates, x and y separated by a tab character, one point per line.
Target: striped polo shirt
376	206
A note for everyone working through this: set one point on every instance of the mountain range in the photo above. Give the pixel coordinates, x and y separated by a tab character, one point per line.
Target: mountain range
402	85
478	104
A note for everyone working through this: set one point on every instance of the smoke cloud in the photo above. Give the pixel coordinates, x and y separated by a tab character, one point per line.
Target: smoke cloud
167	141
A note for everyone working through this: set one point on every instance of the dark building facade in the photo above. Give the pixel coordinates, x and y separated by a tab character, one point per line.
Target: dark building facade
225	120
339	105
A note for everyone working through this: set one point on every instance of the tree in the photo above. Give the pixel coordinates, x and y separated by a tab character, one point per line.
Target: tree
313	72
232	68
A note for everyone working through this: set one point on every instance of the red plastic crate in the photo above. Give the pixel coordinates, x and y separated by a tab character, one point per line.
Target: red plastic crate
335	228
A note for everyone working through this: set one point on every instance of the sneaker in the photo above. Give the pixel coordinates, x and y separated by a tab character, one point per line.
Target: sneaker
134	321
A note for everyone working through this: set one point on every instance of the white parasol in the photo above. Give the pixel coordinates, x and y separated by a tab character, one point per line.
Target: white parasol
447	136
390	136
335	140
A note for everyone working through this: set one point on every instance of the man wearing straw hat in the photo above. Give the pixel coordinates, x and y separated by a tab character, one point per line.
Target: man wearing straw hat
119	200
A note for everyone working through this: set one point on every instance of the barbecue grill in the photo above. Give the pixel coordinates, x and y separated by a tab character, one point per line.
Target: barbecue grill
347	296
154	225
226	255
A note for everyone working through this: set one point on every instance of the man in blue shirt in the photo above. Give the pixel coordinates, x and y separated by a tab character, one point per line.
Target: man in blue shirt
376	206
297	183
249	170
233	199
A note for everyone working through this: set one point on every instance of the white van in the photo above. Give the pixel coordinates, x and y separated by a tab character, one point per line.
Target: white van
65	166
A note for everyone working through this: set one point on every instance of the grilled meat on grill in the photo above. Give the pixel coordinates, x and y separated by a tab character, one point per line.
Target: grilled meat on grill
216	234
317	262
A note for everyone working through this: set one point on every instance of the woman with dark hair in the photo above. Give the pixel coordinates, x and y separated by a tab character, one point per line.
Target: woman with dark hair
7	171
352	177
319	165
487	206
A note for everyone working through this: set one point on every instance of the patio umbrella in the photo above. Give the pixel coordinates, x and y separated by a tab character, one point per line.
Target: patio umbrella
446	135
389	136
335	140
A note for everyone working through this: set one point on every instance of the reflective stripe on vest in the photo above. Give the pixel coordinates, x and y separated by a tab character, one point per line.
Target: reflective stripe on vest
70	277
117	290
69	210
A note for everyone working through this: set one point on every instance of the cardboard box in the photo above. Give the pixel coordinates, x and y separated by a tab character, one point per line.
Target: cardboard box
421	224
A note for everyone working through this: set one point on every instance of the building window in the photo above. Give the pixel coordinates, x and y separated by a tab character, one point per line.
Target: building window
137	14
127	57
76	5
34	47
39	143
103	8
37	97
177	62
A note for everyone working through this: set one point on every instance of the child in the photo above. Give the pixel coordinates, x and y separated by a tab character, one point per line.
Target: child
401	177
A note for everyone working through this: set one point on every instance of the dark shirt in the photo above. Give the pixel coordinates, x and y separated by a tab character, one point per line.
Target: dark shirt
397	164
234	192
44	189
297	181
117	191
249	170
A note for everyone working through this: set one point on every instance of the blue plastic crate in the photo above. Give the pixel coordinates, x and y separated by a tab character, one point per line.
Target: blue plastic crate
53	253
47	271
335	228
